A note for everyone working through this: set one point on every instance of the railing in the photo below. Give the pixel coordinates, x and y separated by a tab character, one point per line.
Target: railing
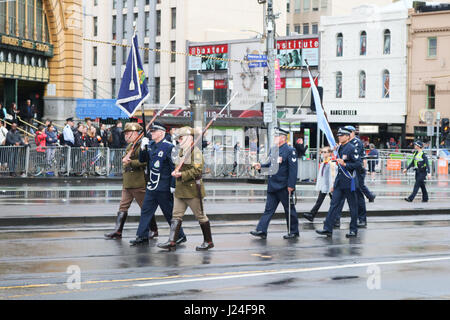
66	161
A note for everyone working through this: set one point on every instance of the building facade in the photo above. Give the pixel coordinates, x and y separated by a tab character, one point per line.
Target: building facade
40	55
428	68
165	26
364	71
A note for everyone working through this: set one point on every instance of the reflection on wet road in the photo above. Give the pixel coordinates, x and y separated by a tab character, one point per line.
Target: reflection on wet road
239	267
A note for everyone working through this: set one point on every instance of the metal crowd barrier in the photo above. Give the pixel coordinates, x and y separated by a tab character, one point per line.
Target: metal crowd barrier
65	161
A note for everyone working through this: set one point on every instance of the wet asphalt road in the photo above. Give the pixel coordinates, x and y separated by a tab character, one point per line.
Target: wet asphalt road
395	258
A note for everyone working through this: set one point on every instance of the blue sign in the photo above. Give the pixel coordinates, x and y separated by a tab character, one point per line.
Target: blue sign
257	64
260	57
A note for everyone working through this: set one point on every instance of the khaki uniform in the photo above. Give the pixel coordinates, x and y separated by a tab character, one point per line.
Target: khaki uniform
186	191
133	181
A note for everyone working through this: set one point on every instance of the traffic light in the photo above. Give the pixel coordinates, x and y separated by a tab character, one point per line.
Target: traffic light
445	127
266	82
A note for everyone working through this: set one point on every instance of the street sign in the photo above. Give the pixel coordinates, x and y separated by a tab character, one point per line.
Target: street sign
268	111
430	131
259	57
257	64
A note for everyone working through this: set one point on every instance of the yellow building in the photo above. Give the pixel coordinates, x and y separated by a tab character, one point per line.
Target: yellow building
41	55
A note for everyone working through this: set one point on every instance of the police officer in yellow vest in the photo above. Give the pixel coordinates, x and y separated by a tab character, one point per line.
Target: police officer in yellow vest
422	167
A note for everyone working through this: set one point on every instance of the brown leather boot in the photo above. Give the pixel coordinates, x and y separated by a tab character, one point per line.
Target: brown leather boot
120	222
207	238
175	227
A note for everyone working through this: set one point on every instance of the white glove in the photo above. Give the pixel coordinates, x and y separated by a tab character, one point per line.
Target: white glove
172	190
145	142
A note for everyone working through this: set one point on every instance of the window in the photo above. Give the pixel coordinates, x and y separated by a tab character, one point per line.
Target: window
135	20
124	26
39	18
306	28
158	22
113	88
386	81
94	55
297	28
146	54
431	96
297	6
95	26
362	84
3	17
324	3
306	5
114	27
315	28
338	84
22	8
315	5
124	55
339	45
147	24
174	18
432	47
288	31
113	55
12	19
124	3
95	3
114	4
363	43
94	89
288	6
157	89
158	53
387	42
173	48
172	86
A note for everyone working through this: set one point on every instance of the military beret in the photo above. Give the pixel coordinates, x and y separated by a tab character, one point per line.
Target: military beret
132	126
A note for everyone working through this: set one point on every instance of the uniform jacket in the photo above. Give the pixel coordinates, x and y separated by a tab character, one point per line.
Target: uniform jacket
420	162
360	154
133	174
353	164
158	157
190	172
286	176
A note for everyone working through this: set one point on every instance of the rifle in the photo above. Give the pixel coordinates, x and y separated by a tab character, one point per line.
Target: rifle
200	137
147	127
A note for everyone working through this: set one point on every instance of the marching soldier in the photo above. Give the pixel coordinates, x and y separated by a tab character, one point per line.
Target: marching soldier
280	187
189	191
422	167
133	184
157	154
345	186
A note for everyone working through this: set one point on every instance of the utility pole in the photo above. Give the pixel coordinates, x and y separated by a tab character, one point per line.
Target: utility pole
269	21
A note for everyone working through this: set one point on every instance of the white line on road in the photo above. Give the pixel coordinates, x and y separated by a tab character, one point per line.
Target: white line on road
274	272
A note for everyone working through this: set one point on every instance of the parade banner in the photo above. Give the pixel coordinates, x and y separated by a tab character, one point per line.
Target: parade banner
133	88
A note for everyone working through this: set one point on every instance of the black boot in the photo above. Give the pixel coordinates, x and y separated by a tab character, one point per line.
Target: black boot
207	238
175	227
153	229
120	222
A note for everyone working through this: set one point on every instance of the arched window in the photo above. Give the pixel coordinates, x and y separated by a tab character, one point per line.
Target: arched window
387	42
362	84
2	56
339	84
339	45
386	85
363	43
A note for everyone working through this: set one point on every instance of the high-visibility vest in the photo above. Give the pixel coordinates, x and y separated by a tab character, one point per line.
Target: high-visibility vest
417	158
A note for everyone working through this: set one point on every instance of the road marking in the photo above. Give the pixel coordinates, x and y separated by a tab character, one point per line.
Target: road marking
298	270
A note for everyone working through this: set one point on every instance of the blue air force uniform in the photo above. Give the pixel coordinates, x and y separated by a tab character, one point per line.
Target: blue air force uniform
277	189
158	157
345	186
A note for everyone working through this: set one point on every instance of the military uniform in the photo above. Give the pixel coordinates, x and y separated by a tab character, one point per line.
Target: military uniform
422	168
189	192
133	187
345	186
277	189
158	158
